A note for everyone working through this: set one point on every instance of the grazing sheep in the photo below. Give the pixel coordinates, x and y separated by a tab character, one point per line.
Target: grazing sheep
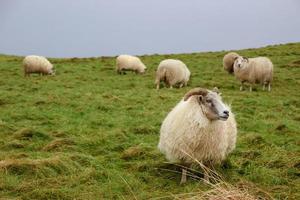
254	70
172	71
37	64
228	61
201	128
130	63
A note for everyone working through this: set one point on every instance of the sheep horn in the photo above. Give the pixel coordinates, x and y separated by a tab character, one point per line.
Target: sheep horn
195	91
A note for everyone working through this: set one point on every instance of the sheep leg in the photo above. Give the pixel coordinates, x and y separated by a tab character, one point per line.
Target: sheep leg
183	176
171	87
181	84
250	89
157	86
264	87
241	88
269	87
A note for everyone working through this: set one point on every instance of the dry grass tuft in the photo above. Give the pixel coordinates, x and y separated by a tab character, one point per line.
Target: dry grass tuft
18	156
27	134
132	152
219	188
226	192
220	191
57	144
295	63
15	144
20	166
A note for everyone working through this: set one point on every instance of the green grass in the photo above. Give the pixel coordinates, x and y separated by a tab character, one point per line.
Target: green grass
89	133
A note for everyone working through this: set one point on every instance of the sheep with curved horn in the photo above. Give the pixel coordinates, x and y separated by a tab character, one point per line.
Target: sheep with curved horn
254	70
200	128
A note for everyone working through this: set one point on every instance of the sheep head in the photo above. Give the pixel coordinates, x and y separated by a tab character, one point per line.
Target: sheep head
52	70
211	103
239	62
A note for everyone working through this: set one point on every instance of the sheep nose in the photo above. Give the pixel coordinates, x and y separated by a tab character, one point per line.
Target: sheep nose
226	112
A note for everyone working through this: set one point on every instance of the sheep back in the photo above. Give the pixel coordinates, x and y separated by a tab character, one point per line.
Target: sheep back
37	64
228	61
127	62
172	72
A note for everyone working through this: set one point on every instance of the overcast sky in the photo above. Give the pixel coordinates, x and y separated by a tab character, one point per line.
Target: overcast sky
85	28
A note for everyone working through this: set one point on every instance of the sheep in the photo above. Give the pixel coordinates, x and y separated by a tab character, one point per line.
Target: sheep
37	64
131	63
228	61
200	128
172	71
254	70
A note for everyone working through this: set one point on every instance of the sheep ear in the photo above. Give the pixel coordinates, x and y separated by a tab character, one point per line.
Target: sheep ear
235	57
216	90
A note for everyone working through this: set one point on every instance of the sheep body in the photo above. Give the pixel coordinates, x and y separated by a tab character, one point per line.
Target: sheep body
172	71
255	70
187	135
228	61
37	64
131	63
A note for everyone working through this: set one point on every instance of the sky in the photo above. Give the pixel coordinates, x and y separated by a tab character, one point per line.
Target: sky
87	28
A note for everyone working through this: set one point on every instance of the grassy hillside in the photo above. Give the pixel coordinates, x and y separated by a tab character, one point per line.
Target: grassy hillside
88	133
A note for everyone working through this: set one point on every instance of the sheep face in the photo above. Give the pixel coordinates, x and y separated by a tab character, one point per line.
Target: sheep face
211	103
240	61
142	71
214	108
52	71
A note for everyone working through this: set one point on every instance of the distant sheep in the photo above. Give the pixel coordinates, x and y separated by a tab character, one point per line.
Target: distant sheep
254	70
172	71
130	63
228	61
200	127
37	64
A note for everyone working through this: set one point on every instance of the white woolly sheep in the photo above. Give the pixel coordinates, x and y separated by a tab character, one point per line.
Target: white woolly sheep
37	64
130	63
172	71
201	128
254	70
228	61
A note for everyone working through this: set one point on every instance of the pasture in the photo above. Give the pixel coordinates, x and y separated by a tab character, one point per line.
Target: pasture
89	133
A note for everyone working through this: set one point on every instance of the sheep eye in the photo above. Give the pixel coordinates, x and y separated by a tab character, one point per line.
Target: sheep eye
208	101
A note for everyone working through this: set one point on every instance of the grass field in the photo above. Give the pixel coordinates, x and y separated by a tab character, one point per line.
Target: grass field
89	133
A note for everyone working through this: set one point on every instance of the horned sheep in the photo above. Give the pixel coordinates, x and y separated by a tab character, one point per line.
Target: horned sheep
200	128
37	64
254	70
130	63
172	71
228	61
